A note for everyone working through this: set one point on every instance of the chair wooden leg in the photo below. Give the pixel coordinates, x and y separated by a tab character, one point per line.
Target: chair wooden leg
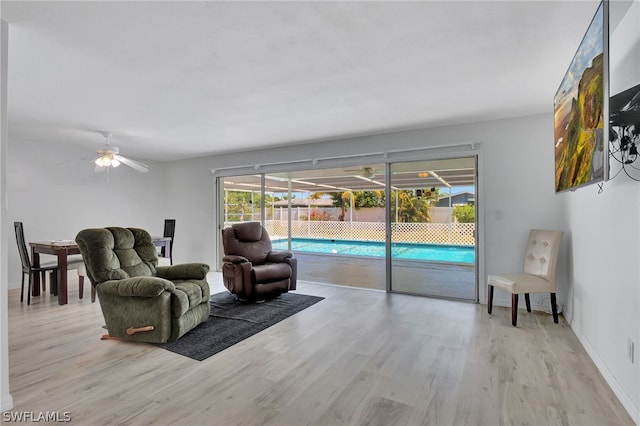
514	309
29	287
80	286
22	289
53	282
93	294
490	299
554	308
527	301
44	281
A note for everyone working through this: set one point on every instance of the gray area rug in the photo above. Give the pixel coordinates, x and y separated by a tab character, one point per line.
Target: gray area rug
232	321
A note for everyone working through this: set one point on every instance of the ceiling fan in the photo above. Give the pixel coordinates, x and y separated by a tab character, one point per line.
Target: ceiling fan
365	171
109	156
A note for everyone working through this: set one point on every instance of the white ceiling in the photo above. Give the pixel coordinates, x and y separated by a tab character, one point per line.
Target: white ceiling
176	80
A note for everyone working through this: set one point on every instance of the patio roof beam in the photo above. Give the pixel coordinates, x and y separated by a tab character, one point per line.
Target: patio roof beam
435	175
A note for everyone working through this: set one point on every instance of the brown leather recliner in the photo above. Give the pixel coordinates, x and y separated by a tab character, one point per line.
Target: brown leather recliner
251	268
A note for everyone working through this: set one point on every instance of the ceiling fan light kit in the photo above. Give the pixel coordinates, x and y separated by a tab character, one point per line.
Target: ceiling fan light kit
105	161
109	156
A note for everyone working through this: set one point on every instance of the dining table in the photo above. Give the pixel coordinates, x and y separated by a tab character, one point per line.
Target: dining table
62	249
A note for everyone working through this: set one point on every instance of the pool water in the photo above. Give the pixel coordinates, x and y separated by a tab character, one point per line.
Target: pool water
411	251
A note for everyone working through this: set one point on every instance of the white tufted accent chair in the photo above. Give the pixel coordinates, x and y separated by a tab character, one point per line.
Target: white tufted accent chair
82	272
164	261
540	263
76	262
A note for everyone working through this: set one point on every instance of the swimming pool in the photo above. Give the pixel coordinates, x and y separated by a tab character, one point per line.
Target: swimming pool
411	251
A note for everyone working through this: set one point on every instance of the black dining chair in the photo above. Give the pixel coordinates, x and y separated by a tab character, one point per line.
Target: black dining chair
169	231
27	267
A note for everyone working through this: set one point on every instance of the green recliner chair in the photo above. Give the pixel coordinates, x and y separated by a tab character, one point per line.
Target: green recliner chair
140	300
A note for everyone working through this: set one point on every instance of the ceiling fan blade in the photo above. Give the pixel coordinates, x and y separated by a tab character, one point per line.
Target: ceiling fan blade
136	165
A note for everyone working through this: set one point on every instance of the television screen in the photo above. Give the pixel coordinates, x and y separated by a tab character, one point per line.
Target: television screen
580	107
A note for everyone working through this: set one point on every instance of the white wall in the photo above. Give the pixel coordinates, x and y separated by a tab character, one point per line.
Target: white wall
6	401
54	191
605	248
190	188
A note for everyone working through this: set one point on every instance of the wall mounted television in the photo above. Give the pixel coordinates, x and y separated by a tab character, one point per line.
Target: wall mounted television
581	110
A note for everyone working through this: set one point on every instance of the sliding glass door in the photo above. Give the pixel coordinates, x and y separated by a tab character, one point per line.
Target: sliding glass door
404	227
242	199
432	218
333	220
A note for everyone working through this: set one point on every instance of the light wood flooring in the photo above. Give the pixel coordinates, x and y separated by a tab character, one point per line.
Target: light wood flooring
359	357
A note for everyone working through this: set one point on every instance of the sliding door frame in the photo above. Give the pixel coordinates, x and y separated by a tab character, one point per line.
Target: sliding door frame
478	257
470	149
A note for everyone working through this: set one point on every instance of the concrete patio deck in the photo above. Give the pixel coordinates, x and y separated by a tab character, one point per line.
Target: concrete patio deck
453	281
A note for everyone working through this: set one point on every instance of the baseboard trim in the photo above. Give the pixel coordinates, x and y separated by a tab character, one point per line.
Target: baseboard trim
6	403
618	390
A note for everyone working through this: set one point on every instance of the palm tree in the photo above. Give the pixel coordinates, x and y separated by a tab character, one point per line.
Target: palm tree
342	200
315	196
414	209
